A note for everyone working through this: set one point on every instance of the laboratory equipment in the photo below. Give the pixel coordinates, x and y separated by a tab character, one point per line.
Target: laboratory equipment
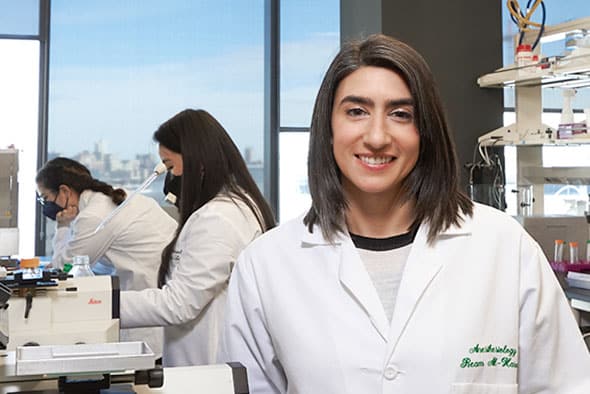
76	323
567	128
525	200
574	253
528	134
8	202
228	378
8	241
49	308
558	253
567	112
568	72
546	229
158	170
81	267
524	55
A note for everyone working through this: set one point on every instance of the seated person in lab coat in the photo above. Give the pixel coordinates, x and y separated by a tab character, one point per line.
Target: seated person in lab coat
221	211
131	243
394	281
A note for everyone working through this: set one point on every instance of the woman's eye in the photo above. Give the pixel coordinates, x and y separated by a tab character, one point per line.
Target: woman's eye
355	112
403	115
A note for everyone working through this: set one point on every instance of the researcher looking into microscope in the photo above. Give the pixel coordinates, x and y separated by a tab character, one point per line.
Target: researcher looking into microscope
221	211
130	243
394	281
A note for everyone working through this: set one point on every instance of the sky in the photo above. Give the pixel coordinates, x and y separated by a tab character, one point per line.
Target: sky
118	69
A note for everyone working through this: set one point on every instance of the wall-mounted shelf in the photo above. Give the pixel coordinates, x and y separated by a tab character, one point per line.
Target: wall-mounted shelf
529	134
567	72
498	138
556	175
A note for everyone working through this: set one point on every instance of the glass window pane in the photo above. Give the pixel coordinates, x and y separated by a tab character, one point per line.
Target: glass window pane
293	188
310	37
19	17
120	69
19	103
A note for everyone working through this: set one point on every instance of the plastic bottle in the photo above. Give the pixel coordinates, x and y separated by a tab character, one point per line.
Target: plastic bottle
567	113
574	256
587	252
558	251
81	267
524	55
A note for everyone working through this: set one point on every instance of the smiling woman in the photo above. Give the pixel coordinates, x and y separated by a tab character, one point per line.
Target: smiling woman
376	145
390	245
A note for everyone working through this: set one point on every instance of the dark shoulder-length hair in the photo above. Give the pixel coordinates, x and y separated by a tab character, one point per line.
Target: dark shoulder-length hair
211	164
75	175
434	181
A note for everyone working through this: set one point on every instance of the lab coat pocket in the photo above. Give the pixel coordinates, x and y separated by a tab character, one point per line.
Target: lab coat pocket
480	388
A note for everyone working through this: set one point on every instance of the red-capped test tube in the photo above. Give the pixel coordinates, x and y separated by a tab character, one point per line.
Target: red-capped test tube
558	251
574	255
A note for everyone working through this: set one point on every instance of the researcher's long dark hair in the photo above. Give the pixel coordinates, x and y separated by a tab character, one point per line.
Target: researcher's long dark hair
433	183
211	164
75	175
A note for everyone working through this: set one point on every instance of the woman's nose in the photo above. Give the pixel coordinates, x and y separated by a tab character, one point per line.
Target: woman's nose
377	136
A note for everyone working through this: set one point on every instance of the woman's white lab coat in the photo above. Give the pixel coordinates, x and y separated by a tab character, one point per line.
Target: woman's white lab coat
131	243
191	305
480	311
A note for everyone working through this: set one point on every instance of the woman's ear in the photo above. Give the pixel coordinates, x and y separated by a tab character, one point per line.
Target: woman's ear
64	189
68	192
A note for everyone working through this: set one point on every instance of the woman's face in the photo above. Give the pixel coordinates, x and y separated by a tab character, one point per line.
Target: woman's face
172	160
375	138
61	205
64	197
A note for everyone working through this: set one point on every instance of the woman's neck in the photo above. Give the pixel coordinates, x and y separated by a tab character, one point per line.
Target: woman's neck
378	217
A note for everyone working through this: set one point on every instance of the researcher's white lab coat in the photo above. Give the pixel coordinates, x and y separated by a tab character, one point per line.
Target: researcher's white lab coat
132	243
478	312
191	305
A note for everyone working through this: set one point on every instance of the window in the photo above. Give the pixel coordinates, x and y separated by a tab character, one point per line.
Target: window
19	105
295	198
19	17
310	38
120	69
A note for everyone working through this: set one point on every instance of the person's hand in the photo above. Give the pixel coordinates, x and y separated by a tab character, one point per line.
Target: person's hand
65	217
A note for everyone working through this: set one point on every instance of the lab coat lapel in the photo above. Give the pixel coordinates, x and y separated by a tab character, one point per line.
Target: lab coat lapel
421	268
356	280
354	277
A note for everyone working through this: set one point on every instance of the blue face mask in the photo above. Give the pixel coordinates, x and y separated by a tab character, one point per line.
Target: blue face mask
51	209
172	186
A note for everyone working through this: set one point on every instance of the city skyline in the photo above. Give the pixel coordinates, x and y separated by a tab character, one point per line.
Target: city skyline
131	172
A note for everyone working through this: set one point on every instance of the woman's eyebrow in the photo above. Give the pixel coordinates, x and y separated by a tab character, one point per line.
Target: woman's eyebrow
357	100
368	101
401	101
